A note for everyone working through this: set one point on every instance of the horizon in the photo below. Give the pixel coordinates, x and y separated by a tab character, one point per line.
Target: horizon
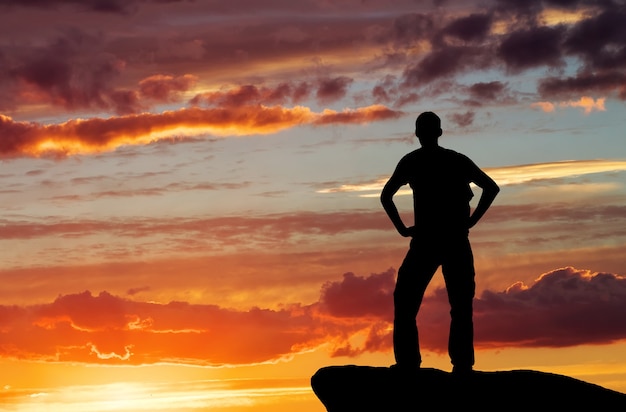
190	193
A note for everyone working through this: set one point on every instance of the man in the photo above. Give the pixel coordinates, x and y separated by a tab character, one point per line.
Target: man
440	180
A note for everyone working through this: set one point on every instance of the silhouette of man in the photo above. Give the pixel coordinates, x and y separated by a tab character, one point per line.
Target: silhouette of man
440	180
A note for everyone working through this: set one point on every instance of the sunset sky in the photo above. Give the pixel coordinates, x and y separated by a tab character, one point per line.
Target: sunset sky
190	215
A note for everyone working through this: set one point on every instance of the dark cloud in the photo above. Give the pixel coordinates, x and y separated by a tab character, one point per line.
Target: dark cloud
357	296
73	72
443	62
474	27
333	89
600	40
76	72
389	91
527	48
126	71
537	5
584	83
487	91
564	307
412	27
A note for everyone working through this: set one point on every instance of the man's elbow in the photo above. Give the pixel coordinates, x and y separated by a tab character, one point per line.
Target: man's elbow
385	195
493	190
385	199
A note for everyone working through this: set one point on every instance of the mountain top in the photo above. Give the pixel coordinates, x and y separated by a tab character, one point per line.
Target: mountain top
354	388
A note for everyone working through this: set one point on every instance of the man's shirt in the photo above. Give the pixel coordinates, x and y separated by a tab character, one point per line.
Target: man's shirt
440	181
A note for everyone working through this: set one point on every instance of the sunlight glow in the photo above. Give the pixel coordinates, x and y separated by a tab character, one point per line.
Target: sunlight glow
131	396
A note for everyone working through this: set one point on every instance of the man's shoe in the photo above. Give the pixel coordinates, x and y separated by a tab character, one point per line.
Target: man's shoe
406	369
458	370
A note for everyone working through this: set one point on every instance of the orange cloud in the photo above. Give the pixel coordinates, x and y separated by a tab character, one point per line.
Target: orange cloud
544	106
563	307
112	330
588	104
372	113
97	134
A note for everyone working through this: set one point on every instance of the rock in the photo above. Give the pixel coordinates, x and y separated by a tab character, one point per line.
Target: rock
364	388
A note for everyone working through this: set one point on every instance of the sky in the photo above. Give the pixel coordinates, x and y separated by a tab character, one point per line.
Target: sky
189	193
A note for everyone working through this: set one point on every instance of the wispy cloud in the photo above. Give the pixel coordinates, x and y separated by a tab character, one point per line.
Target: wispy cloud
97	134
509	175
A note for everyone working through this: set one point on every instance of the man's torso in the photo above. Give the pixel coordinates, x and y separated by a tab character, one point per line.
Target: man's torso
440	180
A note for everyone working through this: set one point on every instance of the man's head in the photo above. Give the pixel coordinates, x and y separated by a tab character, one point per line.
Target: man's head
428	129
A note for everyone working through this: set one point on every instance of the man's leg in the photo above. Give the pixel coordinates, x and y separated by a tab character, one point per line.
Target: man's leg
414	274
458	272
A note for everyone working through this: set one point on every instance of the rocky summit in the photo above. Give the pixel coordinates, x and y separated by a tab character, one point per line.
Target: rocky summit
365	388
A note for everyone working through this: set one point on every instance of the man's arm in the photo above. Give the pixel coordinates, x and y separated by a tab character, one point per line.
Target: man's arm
489	192
386	198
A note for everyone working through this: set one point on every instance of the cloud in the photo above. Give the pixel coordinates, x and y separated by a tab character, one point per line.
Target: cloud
97	134
474	27
555	212
604	83
600	39
134	291
588	104
553	170
487	91
389	91
544	106
331	90
282	93
508	175
563	307
108	329
412	27
277	227
161	88
76	71
96	69
444	62
360	115
73	71
537	46
462	119
357	296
